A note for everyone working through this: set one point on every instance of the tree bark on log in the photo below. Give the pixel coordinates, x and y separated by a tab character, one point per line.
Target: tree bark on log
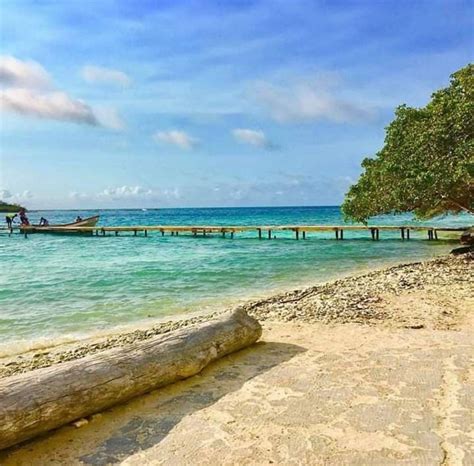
44	399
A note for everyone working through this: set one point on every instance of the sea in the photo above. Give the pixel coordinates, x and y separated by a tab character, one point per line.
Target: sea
58	288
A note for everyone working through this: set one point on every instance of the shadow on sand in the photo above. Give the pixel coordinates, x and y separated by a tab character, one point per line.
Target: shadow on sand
144	422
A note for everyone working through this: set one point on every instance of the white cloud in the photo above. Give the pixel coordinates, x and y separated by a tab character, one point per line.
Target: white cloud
279	189
78	196
171	193
26	195
25	74
51	105
128	195
177	138
126	192
253	137
28	90
315	99
7	195
98	74
110	118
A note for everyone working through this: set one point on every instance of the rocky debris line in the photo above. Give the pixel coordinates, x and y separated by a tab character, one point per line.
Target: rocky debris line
47	358
357	299
353	299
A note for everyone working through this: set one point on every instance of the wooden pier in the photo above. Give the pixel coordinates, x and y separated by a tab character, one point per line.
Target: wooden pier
269	231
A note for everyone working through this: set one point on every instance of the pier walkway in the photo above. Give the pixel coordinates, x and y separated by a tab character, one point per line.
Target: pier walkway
299	231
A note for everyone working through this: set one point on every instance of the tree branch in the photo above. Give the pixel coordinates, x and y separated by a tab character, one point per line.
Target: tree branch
466	209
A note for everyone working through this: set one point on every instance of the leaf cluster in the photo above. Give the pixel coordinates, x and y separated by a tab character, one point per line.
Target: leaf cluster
426	165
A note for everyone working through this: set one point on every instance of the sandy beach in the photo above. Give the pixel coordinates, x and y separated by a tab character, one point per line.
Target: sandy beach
370	369
237	233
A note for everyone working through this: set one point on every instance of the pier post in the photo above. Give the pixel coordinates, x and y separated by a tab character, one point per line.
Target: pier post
372	233
430	235
402	233
304	234
96	232
269	234
337	233
408	234
116	232
134	232
342	234
146	233
162	232
223	234
297	233
259	233
377	234
435	234
103	232
231	235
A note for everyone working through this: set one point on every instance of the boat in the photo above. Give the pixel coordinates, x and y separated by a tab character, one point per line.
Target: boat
86	222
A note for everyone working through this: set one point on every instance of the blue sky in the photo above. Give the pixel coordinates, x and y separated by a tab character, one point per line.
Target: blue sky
201	103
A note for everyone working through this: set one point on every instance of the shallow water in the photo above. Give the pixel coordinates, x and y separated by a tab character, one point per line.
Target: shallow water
55	287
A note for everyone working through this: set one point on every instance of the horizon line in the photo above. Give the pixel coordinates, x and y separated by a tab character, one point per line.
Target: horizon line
175	208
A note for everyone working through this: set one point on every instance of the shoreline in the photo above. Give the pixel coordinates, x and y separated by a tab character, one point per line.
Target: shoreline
52	342
368	369
353	298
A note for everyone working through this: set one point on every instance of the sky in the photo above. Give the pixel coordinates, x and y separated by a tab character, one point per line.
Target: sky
108	104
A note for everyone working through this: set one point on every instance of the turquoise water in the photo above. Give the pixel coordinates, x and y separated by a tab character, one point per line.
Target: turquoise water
58	287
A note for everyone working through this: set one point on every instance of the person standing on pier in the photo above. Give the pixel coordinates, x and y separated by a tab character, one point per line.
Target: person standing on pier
9	218
23	218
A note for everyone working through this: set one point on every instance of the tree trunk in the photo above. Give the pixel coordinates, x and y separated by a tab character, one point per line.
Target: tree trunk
44	399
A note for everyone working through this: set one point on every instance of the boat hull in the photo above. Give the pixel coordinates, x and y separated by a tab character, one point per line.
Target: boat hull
61	227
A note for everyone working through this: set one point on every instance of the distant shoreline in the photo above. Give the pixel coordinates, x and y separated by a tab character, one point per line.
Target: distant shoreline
6	208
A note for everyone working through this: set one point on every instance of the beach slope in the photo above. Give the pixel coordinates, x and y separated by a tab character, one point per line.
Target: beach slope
374	369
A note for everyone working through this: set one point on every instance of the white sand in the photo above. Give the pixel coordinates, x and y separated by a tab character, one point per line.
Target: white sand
310	393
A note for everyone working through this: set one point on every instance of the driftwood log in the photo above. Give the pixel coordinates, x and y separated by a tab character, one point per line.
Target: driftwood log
47	398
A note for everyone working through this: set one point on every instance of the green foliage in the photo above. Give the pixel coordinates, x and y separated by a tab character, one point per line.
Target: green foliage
5	207
427	163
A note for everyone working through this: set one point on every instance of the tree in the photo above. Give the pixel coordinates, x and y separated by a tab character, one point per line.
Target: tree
5	207
426	165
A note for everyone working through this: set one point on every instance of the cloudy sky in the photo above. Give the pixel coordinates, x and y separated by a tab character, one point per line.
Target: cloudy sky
210	103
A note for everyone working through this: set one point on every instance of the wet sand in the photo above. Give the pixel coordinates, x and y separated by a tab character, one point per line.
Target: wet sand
389	379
